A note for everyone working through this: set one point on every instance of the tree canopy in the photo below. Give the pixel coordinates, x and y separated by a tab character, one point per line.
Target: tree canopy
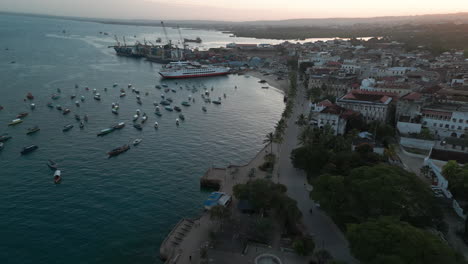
381	190
387	240
457	177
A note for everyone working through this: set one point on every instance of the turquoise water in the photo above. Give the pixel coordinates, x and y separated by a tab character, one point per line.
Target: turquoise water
114	210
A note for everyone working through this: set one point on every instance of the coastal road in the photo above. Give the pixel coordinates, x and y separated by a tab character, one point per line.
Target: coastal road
326	234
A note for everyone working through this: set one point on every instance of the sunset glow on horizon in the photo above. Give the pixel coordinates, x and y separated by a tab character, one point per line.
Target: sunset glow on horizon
241	10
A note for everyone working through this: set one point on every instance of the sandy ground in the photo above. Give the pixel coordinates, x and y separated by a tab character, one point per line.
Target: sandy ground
271	80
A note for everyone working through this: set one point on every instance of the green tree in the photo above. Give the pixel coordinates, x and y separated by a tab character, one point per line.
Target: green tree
301	120
387	239
269	139
303	246
219	214
323	256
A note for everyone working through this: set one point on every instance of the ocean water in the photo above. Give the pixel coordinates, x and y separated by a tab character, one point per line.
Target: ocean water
114	210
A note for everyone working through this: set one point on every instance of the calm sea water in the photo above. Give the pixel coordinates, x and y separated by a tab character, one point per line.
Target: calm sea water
109	210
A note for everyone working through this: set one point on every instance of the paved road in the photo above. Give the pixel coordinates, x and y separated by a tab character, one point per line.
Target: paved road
326	234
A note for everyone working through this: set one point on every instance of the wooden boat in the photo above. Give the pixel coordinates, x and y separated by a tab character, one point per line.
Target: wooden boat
32	130
21	115
30	96
168	108
182	117
67	128
105	131
15	122
29	149
57	176
5	137
52	165
66	111
178	109
138	126
119	125
118	151
184	103
216	102
137	141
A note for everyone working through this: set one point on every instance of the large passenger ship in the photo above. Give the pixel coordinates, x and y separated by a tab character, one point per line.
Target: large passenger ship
185	69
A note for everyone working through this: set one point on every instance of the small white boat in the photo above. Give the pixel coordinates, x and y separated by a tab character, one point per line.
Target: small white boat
137	141
57	176
138	111
129	85
82	98
156	125
115	85
94	90
33	106
135	117
177	121
77	103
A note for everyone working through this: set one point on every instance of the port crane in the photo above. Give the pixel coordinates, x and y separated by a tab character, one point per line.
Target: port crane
165	33
182	41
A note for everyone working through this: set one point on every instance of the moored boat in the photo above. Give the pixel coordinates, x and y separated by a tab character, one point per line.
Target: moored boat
21	115
32	130
57	176
182	117
58	107
50	105
30	96
5	137
52	165
33	106
15	122
81	125
119	125
178	109
67	127
156	125
77	118
168	108
118	151
105	132
138	126
216	102
137	141
29	149
184	103
115	112
204	109
66	111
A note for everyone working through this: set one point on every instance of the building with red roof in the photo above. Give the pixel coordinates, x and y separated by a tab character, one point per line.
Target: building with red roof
373	106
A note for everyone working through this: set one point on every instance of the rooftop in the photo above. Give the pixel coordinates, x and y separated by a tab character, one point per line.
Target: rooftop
368	96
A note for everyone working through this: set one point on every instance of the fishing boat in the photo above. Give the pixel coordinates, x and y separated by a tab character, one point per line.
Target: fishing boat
32	130
105	131
33	106
97	97
72	96
115	112
114	85
165	102
129	85
81	125
5	137
166	90
182	117
177	121
77	103
164	85
57	176
77	118
30	96
67	128
94	91
137	141
216	102
265	87
158	86
156	125
21	115
85	118
168	108
169	99
58	90
138	112
58	107
162	96
50	105
15	122
158	113
119	125
143	119
66	111
55	96
135	117
139	102
29	149
204	109
178	109
118	151
262	81
155	103
52	165
137	126
82	98
122	94
185	103
174	90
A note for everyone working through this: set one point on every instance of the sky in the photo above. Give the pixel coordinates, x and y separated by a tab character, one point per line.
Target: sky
233	10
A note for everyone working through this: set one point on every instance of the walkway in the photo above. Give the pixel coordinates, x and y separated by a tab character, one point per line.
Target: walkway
326	234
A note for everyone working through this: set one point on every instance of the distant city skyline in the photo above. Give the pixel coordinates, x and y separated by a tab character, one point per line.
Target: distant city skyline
240	10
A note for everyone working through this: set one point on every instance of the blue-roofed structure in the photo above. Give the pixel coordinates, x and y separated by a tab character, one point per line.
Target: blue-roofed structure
212	200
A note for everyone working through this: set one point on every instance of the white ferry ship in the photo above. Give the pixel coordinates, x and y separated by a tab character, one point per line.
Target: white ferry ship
185	69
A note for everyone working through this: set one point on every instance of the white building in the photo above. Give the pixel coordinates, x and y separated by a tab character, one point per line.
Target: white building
373	106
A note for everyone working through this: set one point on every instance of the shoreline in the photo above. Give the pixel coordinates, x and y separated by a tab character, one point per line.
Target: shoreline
189	235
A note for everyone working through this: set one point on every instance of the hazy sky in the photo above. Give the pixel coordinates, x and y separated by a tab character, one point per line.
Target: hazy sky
235	10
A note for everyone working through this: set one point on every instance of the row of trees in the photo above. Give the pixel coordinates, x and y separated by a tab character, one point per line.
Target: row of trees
383	209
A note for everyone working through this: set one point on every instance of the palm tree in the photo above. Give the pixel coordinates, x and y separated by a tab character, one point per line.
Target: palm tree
306	136
301	120
269	139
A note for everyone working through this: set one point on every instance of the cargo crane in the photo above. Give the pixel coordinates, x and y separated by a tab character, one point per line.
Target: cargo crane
165	34
182	41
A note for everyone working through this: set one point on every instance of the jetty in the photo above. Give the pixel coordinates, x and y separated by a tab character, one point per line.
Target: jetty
190	235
